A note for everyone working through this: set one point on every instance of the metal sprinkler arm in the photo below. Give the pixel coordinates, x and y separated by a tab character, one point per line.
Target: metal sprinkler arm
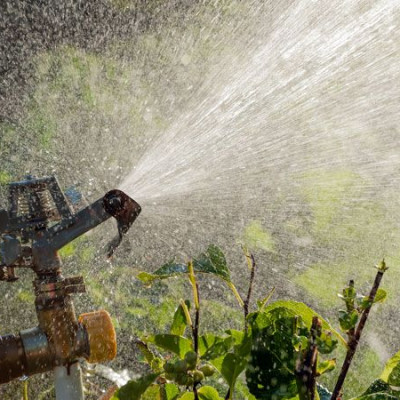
115	204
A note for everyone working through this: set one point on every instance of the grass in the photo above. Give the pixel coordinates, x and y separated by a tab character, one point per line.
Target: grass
256	237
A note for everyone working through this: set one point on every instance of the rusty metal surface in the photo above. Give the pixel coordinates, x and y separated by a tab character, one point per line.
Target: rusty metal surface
12	358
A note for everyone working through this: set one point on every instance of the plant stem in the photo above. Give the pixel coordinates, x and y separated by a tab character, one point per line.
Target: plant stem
196	323
354	338
195	330
25	390
306	366
247	301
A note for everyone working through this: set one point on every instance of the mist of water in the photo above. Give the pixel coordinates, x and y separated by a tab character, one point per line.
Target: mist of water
313	91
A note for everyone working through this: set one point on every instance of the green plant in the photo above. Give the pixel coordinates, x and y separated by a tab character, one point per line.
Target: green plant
283	348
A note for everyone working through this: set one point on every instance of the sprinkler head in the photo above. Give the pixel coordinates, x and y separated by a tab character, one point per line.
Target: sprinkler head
124	209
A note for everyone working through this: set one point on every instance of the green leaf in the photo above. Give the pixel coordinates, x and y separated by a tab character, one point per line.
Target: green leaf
326	343
242	342
144	349
205	393
133	390
380	296
242	389
166	271
262	303
291	308
348	320
211	262
151	393
379	390
211	346
187	396
377	396
179	322
230	366
365	301
169	391
208	393
377	386
326	366
270	369
391	372
300	342
173	343
157	364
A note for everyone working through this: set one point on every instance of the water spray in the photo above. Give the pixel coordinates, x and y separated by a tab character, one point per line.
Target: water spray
41	220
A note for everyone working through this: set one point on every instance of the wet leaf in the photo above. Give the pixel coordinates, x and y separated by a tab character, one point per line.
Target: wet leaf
173	343
179	322
326	343
326	366
205	393
290	308
133	390
300	342
211	262
230	366
270	370
380	296
379	390
377	396
262	303
208	393
169	391
152	393
187	396
212	347
377	386
144	349
157	364
391	372
348	320
365	301
242	342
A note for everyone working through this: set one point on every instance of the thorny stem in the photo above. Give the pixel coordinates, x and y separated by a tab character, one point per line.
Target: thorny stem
247	301
306	366
354	338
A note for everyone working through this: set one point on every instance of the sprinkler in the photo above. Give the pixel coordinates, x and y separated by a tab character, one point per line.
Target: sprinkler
40	221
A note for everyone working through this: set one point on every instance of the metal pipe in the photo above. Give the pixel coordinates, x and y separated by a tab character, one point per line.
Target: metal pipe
12	358
68	382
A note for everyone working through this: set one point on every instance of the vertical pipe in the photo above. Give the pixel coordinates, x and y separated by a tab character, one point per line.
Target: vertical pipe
68	382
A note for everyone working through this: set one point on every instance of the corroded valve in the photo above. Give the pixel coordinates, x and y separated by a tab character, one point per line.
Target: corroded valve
39	222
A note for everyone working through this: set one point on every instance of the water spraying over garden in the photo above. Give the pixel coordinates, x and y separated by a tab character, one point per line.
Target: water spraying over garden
296	137
270	124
